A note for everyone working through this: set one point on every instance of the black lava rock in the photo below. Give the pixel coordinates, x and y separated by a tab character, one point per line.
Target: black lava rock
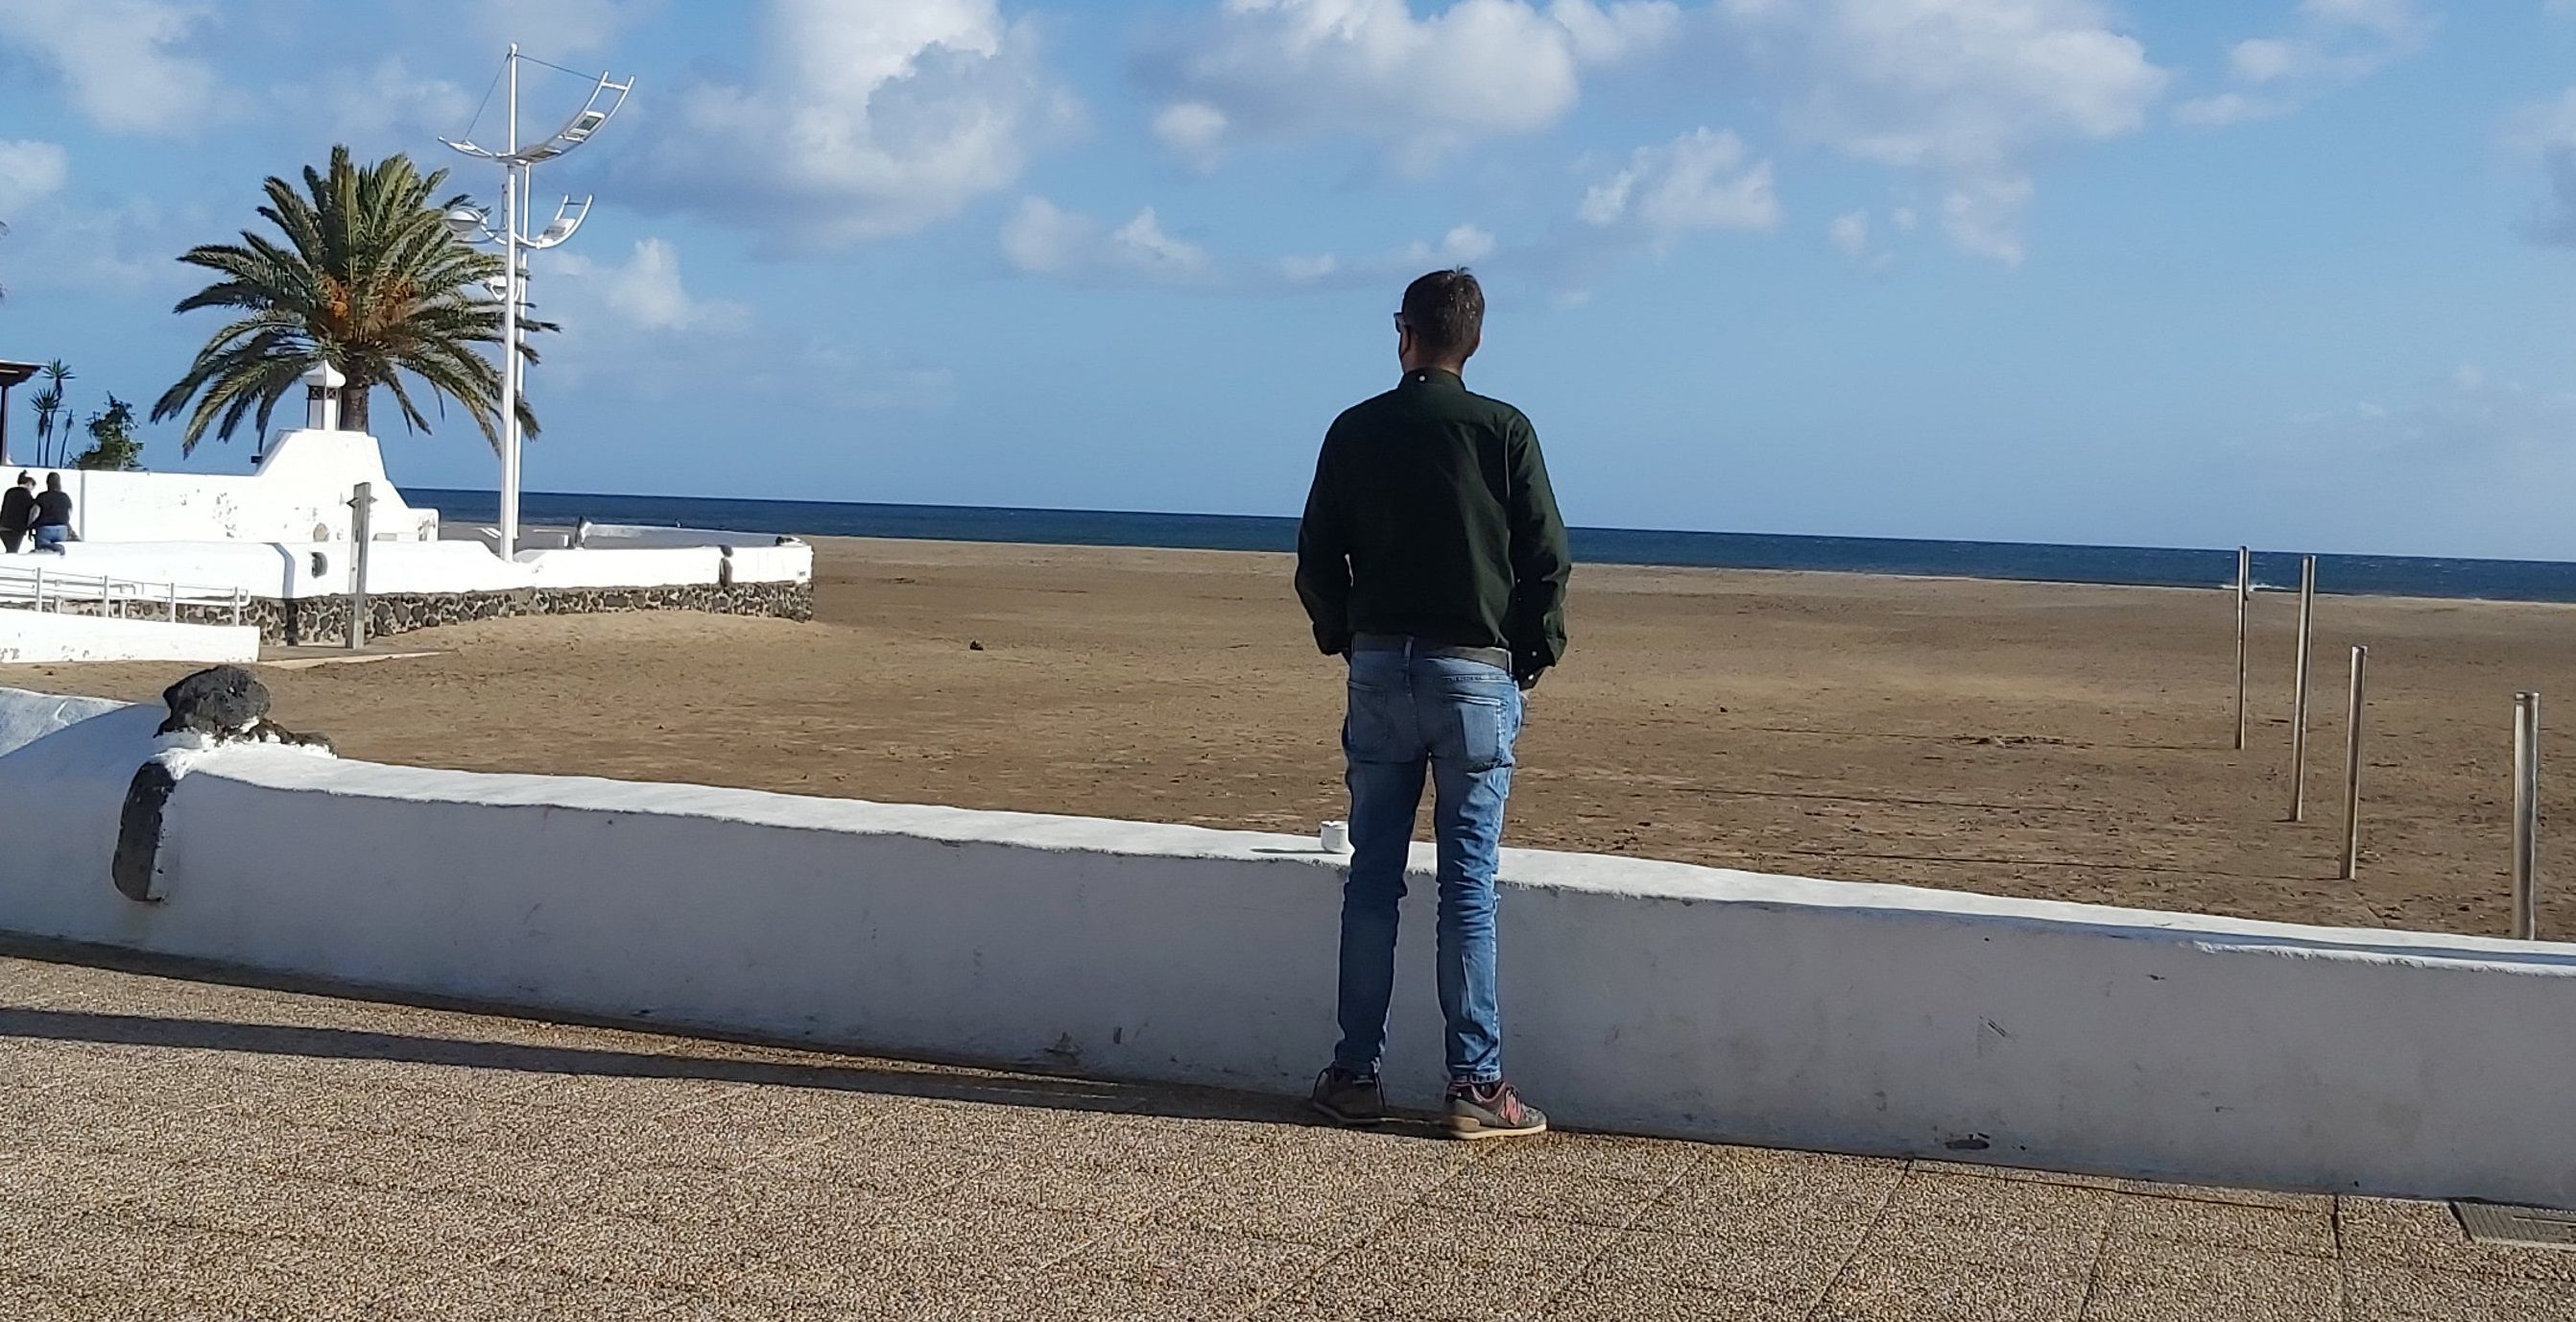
222	700
138	831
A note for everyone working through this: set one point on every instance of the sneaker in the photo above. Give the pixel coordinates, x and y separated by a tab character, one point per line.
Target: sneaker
1346	1098
1491	1110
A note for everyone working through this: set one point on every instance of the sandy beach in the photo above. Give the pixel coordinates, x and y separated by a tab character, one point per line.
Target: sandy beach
2020	739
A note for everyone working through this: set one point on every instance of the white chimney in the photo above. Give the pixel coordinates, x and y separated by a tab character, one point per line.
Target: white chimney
322	397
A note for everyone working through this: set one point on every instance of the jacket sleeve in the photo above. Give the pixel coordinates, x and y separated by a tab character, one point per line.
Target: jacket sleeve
1324	560
1541	563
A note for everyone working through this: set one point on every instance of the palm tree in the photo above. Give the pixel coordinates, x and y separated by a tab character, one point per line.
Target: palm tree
50	404
369	280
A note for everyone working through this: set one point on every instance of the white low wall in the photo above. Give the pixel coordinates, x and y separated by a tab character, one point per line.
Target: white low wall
1651	997
306	569
30	636
299	493
643	534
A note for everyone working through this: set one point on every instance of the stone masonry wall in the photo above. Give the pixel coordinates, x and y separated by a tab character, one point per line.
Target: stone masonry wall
315	620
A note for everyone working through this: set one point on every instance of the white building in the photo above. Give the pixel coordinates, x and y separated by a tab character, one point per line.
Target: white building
275	550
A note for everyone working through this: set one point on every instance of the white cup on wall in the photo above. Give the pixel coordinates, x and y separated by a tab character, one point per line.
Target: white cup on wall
1336	837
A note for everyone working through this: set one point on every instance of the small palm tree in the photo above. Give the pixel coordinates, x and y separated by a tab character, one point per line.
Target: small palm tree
50	407
370	280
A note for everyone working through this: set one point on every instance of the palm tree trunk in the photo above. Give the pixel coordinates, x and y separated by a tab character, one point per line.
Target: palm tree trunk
353	402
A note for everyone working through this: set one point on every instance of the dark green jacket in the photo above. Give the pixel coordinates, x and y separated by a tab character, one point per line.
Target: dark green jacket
1431	516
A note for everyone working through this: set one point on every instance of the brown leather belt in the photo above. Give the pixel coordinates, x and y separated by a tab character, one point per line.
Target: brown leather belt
1499	658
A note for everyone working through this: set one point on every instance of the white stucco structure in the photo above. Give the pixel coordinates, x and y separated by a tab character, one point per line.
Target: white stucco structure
283	532
1652	997
298	493
287	570
30	636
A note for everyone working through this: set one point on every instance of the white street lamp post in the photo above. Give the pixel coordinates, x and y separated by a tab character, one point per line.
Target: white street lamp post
472	225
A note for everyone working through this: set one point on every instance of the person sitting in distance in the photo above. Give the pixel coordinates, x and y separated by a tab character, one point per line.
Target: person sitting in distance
53	522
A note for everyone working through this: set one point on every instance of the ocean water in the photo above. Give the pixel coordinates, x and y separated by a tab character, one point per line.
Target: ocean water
2148	566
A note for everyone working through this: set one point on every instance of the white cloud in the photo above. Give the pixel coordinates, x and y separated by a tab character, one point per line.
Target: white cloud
90	243
1307	270
1698	181
1476	69
2336	43
1982	214
30	171
632	324
101	246
556	29
1142	243
1041	238
122	62
1461	245
2466	414
1850	233
867	120
1044	239
385	106
1195	129
1964	92
643	292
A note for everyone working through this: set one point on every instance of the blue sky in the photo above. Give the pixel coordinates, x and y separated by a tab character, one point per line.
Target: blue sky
2193	272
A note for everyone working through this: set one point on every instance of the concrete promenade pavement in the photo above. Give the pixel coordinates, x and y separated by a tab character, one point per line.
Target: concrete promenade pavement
203	1149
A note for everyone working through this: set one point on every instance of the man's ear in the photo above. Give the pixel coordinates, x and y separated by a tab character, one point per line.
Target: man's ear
1473	344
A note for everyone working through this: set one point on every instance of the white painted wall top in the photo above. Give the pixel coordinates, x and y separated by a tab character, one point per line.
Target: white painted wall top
29	636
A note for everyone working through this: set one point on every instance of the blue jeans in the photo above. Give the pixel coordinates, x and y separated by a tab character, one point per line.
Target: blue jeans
1455	720
51	537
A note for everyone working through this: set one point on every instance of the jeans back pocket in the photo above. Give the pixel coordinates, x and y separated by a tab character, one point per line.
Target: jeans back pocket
1379	725
1482	731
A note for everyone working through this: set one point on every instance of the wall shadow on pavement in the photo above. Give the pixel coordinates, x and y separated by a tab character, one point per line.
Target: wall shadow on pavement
956	1084
1007	1085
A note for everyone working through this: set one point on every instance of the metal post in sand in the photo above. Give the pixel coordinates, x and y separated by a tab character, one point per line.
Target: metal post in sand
2352	766
2299	693
2244	591
2526	815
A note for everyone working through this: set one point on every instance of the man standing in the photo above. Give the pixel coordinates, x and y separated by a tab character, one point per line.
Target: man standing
1431	556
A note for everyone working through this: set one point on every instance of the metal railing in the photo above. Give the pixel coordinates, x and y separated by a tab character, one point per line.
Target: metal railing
47	587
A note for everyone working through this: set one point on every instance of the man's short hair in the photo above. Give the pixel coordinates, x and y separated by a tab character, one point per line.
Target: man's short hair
1445	310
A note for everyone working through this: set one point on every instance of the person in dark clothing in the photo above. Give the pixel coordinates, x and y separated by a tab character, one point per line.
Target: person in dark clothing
1431	556
53	522
17	511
